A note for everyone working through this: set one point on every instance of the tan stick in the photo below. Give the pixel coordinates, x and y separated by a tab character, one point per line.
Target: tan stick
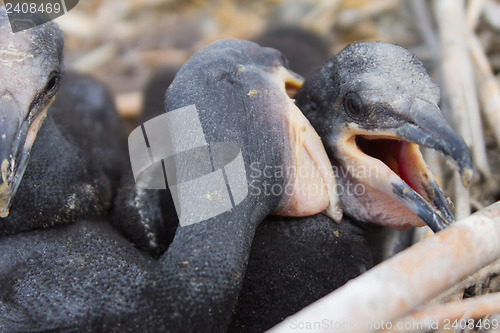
460	90
322	16
92	60
462	198
474	11
488	86
459	76
400	284
443	315
456	292
353	16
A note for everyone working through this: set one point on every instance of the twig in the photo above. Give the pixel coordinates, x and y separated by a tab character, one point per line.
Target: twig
439	315
488	87
459	76
94	59
398	285
321	16
462	207
476	204
425	25
351	17
460	90
474	11
78	24
456	292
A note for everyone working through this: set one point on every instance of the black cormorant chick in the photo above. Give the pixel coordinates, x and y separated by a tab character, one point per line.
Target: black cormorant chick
373	105
30	66
70	170
369	103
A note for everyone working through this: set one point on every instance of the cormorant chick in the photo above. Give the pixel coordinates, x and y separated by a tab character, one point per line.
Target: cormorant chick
372	104
30	65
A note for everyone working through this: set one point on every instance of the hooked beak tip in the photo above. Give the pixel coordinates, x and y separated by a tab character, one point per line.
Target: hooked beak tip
4	212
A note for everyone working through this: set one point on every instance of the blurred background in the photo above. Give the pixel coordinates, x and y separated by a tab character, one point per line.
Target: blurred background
123	41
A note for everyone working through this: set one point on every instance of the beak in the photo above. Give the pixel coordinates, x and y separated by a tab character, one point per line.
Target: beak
428	129
312	178
17	136
402	180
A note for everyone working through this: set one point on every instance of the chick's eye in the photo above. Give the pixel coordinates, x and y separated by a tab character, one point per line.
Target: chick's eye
354	105
51	84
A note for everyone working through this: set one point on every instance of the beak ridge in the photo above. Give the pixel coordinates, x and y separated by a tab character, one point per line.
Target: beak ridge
429	129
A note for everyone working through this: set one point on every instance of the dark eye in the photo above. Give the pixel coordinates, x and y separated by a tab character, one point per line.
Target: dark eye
354	105
52	83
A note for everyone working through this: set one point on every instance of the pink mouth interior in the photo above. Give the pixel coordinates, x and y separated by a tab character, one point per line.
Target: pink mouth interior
391	153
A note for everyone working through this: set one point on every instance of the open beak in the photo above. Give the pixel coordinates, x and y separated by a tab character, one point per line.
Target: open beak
312	178
398	170
17	136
